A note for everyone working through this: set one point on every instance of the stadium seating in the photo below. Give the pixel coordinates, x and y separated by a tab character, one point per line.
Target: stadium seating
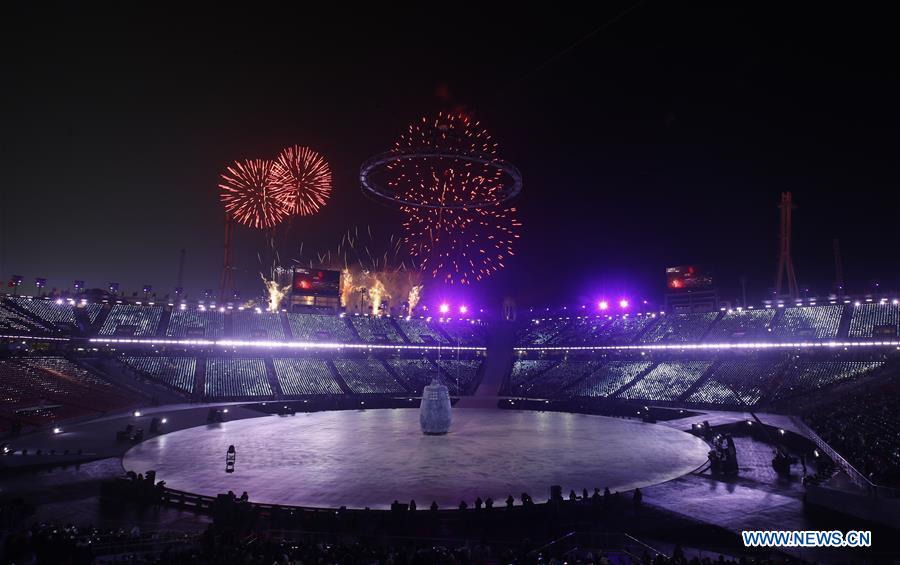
802	377
196	323
666	381
608	378
741	382
176	372
736	325
305	376
376	330
13	323
229	377
319	327
867	317
418	330
582	332
132	320
253	325
417	373
367	376
541	332
809	322
623	330
463	372
53	388
525	370
51	312
680	328
549	383
463	332
864	427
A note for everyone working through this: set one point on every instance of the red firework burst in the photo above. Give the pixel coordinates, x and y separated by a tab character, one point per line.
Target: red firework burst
254	194
306	176
451	240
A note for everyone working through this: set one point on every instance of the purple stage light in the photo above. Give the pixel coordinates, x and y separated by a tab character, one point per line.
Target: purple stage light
623	303
603	305
444	308
463	309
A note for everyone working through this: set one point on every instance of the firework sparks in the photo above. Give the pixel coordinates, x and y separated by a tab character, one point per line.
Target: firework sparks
254	194
415	294
306	177
276	293
453	241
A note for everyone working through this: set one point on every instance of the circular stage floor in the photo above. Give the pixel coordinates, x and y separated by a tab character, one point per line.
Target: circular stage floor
371	457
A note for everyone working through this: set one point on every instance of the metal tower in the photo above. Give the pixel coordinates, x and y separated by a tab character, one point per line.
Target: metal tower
227	284
785	263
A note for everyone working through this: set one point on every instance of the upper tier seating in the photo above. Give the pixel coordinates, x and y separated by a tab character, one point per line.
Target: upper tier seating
680	328
129	320
742	324
320	327
253	325
809	322
199	323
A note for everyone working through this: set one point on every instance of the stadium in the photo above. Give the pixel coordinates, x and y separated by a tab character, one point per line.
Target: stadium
608	284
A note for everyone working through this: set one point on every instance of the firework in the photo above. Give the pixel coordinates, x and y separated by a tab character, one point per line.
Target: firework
456	227
254	194
276	293
306	177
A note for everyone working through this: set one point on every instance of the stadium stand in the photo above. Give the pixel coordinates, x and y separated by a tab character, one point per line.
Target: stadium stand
864	427
51	312
582	331
624	330
742	382
319	327
43	389
868	317
230	377
549	383
608	378
376	330
464	372
367	376
541	332
200	322
667	381
305	376
464	333
13	323
250	324
801	377
132	320
417	373
681	328
809	322
742	324
418	330
176	372
525	370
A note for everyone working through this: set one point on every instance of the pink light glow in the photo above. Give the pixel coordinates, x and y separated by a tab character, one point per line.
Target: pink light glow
463	309
444	308
603	305
623	303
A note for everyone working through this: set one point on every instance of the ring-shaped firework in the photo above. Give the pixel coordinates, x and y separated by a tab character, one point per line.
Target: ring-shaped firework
506	183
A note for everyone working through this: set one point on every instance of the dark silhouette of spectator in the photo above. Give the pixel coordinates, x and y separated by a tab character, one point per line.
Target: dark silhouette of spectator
412	505
478	503
510	501
463	505
572	496
489	503
638	497
434	506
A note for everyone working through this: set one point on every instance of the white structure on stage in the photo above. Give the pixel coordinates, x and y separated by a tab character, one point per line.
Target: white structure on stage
434	412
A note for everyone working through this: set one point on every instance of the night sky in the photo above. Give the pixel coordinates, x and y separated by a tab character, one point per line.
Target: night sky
648	134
